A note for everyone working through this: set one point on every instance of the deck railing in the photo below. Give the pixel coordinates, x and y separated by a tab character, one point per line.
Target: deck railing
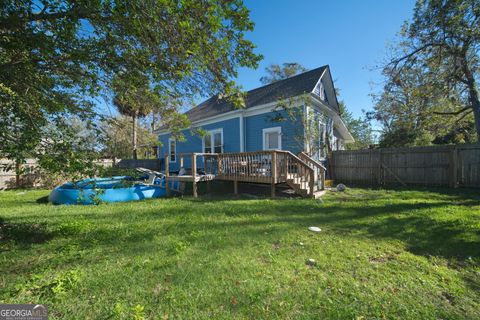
276	166
319	170
246	166
271	167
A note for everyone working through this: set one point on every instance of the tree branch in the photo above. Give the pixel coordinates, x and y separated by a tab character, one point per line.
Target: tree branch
464	115
453	112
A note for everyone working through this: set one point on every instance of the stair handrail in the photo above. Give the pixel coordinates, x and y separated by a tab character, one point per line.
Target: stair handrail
310	170
315	162
293	156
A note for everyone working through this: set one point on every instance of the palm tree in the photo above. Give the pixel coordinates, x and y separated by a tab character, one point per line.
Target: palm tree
134	110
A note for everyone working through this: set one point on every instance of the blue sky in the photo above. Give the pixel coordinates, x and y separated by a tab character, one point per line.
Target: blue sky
351	36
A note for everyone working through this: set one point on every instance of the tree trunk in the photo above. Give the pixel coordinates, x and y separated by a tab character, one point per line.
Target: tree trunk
153	122
473	96
134	136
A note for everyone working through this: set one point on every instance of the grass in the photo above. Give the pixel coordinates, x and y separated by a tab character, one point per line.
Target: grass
393	254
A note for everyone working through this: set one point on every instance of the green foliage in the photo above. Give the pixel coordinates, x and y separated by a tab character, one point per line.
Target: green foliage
393	254
411	112
360	128
431	90
277	72
50	285
309	133
116	138
57	57
117	171
66	151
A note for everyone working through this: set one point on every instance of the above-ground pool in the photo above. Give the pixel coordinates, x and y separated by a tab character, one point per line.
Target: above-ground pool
114	189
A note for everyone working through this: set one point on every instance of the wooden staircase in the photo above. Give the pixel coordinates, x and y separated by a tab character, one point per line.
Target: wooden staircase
305	175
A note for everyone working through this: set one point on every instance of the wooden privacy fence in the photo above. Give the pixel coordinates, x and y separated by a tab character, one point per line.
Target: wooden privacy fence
29	177
28	174
152	164
452	165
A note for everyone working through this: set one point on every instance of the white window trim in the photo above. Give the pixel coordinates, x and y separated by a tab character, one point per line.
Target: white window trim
273	129
211	133
170	150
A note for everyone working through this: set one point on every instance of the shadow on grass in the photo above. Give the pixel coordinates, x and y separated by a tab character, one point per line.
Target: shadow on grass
204	220
42	200
24	233
242	222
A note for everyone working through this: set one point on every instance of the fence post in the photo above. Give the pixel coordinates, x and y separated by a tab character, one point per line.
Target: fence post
454	167
312	181
379	167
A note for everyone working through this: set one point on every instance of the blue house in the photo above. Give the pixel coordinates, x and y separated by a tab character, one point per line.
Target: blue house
298	114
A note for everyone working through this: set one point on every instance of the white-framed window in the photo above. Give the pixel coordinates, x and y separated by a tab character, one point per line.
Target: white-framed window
321	91
272	138
172	150
213	141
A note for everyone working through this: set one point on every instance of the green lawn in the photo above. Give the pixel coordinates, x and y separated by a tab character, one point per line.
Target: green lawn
381	254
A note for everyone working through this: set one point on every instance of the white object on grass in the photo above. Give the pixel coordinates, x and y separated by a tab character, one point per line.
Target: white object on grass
311	262
314	229
341	187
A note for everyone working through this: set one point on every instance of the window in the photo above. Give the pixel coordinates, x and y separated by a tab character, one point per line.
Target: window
321	142
172	150
272	138
321	91
213	141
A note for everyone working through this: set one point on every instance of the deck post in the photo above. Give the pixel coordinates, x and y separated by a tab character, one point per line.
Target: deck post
219	164
235	186
274	172
322	174
167	174
194	175
454	167
312	182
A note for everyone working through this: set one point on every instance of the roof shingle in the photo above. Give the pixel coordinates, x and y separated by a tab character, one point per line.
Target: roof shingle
282	89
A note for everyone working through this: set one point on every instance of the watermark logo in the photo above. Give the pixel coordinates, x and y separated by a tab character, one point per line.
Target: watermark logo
23	312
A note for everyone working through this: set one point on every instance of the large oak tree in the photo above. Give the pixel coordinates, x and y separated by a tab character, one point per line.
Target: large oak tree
434	71
57	56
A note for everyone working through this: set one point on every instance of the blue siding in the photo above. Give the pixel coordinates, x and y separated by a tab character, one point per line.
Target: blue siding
292	136
292	131
193	142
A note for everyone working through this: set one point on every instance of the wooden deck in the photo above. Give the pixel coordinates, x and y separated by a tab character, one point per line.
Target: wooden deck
302	173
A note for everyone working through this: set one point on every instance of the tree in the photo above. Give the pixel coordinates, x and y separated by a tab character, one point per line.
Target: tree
410	110
360	129
441	44
116	137
57	56
277	72
134	98
69	147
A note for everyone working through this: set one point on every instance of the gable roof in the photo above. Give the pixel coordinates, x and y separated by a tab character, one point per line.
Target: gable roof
282	89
